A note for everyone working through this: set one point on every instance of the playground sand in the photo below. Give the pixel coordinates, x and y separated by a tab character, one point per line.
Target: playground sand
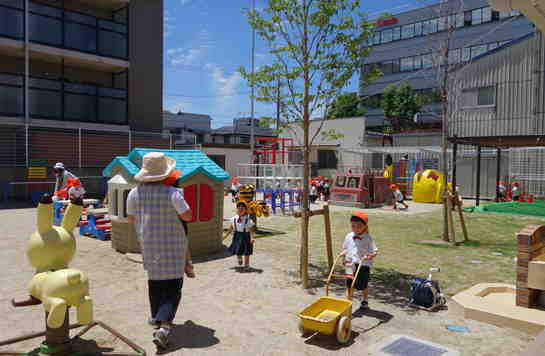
224	312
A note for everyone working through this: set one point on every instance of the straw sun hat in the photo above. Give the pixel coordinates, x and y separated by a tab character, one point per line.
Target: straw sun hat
156	167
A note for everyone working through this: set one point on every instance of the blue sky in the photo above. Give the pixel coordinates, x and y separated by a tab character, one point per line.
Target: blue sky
206	41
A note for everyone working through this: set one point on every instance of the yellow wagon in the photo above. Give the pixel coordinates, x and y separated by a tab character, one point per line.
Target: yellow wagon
330	315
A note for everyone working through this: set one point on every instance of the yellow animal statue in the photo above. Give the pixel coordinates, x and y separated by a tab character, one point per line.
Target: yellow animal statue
255	208
50	250
428	186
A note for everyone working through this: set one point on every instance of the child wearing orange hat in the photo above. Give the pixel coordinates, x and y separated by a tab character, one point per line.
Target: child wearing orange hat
398	196
359	248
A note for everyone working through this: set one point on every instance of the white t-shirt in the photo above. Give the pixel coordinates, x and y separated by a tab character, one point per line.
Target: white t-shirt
242	223
356	249
76	192
313	190
398	195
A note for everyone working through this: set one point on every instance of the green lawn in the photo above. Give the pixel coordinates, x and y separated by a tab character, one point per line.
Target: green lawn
402	254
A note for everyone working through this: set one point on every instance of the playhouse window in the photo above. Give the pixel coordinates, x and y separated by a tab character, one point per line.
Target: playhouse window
353	182
125	196
114	202
341	181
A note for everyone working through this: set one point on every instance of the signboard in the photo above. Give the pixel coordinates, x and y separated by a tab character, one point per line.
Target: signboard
387	21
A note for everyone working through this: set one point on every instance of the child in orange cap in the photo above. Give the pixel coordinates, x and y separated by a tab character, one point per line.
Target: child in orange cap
359	248
398	196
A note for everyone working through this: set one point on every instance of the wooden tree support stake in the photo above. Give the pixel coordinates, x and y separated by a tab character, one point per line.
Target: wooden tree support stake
462	220
451	230
303	253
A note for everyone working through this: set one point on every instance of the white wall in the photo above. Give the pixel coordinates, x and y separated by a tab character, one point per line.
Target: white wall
352	128
233	156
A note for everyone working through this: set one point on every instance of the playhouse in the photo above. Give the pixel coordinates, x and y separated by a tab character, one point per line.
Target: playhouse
202	181
360	190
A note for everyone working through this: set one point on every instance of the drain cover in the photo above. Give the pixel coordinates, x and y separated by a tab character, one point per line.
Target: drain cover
409	347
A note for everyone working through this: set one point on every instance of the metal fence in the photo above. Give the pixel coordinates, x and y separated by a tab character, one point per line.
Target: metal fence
77	148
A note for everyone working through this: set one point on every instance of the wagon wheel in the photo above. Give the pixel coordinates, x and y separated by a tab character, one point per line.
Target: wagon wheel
343	330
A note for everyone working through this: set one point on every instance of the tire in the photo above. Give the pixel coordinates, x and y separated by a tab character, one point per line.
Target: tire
344	331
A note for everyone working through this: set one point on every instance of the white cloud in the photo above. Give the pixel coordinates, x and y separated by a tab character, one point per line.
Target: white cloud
193	54
225	87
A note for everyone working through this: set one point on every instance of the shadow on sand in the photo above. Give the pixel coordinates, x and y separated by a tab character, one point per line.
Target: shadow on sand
190	336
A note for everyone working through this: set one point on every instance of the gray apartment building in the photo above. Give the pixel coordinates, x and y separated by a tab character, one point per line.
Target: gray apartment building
82	64
405	47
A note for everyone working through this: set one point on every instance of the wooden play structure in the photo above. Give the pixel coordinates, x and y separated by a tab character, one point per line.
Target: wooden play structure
303	263
202	183
360	190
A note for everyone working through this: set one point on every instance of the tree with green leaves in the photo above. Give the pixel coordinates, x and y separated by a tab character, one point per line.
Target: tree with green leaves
345	105
316	48
400	105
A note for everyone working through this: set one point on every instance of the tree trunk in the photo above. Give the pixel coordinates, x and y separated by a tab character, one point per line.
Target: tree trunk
306	153
444	92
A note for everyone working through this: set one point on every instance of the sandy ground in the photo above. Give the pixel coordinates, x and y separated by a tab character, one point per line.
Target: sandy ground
225	312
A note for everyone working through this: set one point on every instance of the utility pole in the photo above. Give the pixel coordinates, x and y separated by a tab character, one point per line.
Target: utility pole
278	105
252	138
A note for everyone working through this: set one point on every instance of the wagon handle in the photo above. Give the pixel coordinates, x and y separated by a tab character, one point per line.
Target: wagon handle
331	274
356	276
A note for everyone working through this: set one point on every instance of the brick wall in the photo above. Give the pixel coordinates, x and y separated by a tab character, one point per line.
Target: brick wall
530	244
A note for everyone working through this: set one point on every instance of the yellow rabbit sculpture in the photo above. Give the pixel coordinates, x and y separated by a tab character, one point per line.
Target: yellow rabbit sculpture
50	250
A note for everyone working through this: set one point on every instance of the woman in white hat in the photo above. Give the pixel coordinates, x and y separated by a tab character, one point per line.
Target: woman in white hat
61	178
155	208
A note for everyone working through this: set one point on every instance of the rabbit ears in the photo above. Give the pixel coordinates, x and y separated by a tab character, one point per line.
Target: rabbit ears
45	214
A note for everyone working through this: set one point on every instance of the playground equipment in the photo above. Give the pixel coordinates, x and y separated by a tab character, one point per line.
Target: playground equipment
428	186
50	250
97	225
278	181
329	315
256	209
360	190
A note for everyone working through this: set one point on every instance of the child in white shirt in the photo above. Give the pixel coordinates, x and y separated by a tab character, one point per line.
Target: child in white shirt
359	248
398	196
243	239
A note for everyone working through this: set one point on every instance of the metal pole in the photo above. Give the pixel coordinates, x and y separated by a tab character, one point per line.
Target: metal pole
498	174
478	191
26	145
130	141
79	144
27	63
253	88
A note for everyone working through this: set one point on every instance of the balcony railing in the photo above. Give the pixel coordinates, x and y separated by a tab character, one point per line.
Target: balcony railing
62	100
64	29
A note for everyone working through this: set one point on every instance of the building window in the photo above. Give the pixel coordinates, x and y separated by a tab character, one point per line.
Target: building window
418	29
467	18
244	139
454	56
442	24
327	159
386	67
504	15
125	196
376	38
484	96
466	54
386	36
407	31
417	62
477	16
487	14
406	64
396	33
433	25
427	61
460	20
396	67
477	50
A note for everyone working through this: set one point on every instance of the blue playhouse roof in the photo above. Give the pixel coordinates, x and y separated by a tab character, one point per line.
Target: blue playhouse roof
190	162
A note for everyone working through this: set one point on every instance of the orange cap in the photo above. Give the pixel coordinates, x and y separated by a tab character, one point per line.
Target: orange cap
361	215
393	186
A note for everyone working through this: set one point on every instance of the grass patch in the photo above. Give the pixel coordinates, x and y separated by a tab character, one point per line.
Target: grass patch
404	251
